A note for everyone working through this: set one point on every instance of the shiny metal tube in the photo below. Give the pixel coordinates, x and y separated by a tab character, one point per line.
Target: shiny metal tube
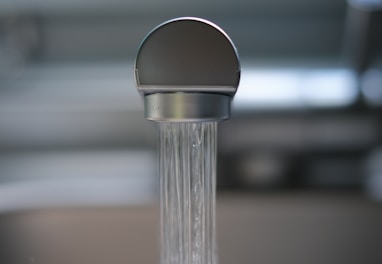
187	69
187	107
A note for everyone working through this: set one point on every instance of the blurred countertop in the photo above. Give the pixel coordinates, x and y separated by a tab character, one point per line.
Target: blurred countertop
292	227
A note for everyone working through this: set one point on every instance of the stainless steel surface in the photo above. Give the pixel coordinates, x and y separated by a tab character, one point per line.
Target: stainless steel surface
186	106
194	67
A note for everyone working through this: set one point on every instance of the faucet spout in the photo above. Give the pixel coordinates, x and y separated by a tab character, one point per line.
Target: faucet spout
187	69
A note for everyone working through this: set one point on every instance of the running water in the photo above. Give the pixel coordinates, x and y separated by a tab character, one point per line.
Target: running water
187	192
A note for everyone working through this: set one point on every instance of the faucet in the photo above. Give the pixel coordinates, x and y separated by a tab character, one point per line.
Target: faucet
187	69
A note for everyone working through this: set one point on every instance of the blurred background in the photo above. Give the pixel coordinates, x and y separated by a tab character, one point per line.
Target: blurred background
299	163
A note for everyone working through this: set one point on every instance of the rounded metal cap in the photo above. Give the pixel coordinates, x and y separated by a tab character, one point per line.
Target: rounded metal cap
187	69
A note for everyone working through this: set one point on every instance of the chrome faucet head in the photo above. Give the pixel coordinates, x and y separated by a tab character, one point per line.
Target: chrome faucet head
187	69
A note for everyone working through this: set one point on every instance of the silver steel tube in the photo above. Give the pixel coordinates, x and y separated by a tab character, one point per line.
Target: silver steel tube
187	70
187	107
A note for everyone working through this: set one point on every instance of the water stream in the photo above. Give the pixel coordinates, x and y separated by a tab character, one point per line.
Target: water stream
187	192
